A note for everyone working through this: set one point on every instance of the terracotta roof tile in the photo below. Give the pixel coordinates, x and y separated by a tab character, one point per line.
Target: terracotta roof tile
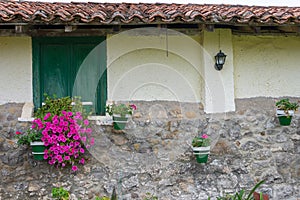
127	13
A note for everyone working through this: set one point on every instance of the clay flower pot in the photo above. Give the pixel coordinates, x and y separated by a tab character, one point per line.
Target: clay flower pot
256	196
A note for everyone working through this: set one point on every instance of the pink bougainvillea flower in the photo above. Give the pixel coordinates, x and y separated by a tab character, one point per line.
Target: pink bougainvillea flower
64	135
59	158
133	106
76	144
82	161
83	139
47	116
51	162
92	142
76	137
74	168
59	130
88	130
86	122
67	157
204	136
69	135
62	138
81	150
18	132
61	123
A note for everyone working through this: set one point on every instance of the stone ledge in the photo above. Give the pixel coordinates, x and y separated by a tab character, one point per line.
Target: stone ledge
27	112
101	120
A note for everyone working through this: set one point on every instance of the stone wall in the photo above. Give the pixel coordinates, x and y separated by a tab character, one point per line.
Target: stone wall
154	155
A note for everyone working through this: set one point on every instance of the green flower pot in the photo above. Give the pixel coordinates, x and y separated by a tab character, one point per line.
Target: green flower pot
285	121
38	149
202	158
285	118
201	153
119	122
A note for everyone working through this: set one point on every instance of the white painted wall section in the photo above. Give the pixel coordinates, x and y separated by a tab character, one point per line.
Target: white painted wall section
219	85
266	66
154	64
15	69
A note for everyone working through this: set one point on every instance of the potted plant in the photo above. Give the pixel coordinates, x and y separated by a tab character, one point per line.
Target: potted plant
120	114
201	148
285	111
67	136
65	132
32	137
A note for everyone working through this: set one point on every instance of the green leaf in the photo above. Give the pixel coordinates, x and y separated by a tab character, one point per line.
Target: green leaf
253	189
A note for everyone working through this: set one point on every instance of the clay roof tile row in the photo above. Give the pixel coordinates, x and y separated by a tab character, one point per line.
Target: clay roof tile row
127	13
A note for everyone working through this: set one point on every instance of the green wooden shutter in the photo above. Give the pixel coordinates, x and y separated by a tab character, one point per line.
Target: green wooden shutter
70	66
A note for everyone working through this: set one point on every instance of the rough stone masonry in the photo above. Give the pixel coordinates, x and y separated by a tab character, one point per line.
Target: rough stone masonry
153	155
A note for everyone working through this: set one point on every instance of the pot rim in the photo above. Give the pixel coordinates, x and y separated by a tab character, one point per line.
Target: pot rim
37	143
281	113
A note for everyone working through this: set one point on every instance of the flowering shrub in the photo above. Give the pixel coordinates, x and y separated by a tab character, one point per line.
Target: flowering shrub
120	109
202	141
65	137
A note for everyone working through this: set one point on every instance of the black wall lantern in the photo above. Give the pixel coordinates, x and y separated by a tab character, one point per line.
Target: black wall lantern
220	60
220	57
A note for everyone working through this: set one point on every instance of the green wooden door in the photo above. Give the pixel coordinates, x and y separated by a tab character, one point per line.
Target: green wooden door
70	66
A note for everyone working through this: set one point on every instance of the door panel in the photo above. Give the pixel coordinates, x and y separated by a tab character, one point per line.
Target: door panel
70	67
54	69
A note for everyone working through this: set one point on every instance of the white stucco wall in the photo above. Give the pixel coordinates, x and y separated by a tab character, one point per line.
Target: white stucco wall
266	66
219	85
146	64
15	69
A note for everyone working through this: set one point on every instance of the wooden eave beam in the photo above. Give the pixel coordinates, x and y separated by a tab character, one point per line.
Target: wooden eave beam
289	29
21	28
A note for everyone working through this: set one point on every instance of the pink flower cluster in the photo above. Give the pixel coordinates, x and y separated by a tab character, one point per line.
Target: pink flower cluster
204	136
133	106
65	137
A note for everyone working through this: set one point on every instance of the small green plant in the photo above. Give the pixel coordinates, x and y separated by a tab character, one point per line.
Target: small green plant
120	109
241	195
60	193
286	105
150	196
114	195
202	141
53	105
30	135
